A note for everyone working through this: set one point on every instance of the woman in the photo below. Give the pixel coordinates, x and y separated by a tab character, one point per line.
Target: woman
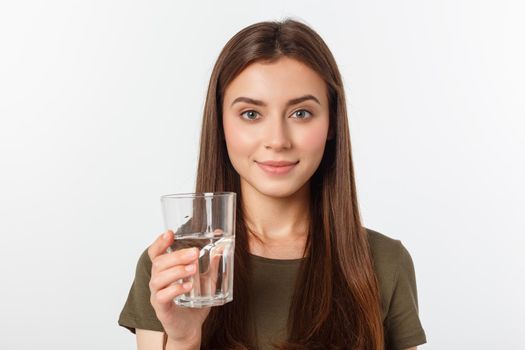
307	275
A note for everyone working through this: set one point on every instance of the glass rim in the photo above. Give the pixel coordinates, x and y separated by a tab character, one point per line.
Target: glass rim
197	195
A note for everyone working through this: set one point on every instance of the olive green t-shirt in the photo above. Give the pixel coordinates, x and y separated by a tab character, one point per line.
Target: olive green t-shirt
272	287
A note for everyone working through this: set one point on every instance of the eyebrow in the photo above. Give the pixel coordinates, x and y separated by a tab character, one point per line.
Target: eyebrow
291	102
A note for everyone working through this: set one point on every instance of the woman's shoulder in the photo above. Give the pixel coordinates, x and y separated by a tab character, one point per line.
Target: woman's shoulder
389	254
383	248
392	263
398	290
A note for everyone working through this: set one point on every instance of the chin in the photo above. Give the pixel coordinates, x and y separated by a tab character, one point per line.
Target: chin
276	190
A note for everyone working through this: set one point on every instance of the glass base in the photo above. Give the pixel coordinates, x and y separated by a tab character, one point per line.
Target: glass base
198	302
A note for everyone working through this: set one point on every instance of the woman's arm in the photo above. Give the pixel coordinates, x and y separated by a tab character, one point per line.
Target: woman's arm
153	340
149	340
412	348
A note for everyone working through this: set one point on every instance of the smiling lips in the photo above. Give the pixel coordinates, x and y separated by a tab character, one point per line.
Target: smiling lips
274	167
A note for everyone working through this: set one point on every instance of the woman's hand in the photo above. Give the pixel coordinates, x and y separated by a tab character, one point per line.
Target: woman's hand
181	324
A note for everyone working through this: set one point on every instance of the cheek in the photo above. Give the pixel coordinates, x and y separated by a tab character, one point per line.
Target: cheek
238	140
314	139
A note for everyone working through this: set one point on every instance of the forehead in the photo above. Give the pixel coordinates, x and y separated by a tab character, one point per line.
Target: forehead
276	82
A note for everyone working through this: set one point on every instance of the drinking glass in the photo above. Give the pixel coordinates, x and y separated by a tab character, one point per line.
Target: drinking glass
207	221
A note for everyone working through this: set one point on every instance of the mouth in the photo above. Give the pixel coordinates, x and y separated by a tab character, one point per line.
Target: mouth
277	167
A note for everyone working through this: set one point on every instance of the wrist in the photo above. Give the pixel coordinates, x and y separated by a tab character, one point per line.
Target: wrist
183	344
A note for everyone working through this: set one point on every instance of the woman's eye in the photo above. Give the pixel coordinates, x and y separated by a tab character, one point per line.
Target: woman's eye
302	114
250	115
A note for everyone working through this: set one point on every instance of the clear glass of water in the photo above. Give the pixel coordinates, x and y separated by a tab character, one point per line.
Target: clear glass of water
207	221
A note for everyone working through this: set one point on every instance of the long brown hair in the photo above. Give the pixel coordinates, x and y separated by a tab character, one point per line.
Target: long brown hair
336	303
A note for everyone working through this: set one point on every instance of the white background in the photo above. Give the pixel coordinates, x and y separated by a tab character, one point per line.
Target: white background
101	105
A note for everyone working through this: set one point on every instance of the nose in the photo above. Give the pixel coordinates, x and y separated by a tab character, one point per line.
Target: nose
276	135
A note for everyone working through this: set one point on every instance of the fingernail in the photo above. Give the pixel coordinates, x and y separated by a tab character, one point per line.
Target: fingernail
166	235
187	285
190	268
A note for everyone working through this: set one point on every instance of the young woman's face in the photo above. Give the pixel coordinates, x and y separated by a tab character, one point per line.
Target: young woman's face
262	123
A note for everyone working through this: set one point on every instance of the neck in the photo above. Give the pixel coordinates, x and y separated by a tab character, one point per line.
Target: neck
277	226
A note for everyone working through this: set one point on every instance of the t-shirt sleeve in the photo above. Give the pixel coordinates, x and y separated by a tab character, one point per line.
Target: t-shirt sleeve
403	327
138	311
